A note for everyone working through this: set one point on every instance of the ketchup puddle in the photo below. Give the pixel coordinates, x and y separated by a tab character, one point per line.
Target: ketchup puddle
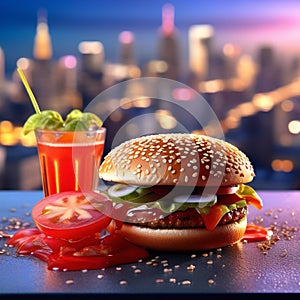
90	253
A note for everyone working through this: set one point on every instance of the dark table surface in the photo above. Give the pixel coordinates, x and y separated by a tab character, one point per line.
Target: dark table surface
241	268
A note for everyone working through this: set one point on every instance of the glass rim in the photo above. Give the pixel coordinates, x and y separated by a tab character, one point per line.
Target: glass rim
101	129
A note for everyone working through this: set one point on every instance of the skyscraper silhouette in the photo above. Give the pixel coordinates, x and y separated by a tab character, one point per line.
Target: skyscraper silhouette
200	51
43	76
2	66
168	43
91	69
127	55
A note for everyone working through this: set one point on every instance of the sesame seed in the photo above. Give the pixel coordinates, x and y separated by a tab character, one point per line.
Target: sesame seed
55	269
3	251
191	267
284	253
159	280
168	270
186	282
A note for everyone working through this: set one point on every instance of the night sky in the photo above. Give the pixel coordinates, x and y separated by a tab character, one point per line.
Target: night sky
249	23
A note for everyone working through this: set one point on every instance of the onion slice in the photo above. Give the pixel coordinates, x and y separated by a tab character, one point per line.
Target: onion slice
121	190
201	200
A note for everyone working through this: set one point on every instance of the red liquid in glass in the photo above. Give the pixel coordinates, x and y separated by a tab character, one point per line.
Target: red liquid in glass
69	167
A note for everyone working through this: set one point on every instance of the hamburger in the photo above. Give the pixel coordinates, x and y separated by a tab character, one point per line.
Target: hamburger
179	192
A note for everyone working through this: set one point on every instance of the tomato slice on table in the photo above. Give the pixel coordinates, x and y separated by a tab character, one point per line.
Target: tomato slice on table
72	215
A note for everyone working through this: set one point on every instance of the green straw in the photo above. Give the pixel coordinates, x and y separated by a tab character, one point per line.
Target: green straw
29	91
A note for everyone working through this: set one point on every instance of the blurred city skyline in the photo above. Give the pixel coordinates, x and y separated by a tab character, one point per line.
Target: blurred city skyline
248	24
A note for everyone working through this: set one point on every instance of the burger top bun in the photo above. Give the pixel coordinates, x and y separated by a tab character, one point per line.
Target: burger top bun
177	159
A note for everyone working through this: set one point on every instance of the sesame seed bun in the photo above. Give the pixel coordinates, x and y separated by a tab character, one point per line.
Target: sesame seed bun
177	159
190	239
183	160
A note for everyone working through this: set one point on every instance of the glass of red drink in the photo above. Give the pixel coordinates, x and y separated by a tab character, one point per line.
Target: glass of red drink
69	160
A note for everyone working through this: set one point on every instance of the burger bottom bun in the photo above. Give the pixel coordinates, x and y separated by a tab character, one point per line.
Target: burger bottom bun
192	239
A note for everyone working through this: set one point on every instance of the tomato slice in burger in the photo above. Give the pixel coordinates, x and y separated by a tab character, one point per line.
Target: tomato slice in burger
225	190
72	215
212	217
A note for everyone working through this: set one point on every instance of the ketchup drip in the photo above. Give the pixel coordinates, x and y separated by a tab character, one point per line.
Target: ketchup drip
255	233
